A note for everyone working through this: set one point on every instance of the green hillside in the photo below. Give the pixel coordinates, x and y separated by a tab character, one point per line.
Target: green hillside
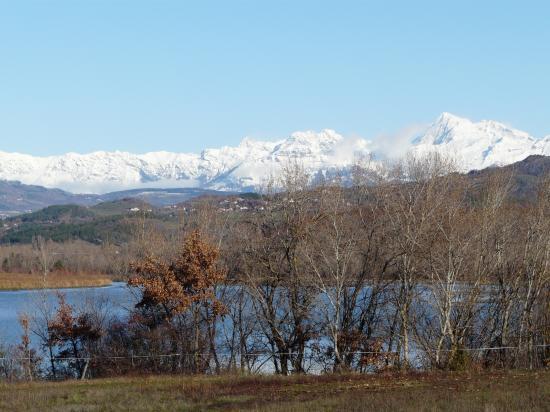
105	222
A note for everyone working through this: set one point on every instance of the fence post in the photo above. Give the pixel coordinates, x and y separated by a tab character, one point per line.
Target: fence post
85	369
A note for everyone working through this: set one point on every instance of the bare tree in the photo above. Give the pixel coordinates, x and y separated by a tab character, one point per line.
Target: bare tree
43	252
276	275
345	252
411	202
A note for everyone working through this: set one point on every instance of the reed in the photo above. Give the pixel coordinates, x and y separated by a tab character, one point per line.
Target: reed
19	281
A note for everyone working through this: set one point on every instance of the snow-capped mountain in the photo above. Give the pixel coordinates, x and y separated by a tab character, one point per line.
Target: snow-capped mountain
478	145
253	163
247	166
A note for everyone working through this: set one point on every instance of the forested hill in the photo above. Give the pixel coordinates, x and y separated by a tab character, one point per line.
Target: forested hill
105	222
17	198
525	175
111	222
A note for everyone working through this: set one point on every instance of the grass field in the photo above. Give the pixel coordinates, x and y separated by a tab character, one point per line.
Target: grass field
487	391
18	281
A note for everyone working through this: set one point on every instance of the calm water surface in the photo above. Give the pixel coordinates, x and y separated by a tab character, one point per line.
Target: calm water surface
116	299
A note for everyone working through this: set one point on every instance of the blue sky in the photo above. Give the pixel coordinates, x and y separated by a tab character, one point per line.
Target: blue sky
80	75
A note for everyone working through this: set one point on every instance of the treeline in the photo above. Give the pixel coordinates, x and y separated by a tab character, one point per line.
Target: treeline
75	257
414	266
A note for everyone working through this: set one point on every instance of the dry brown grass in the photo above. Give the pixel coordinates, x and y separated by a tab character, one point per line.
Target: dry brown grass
18	281
482	391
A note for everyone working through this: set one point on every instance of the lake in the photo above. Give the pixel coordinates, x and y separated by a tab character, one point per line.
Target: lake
117	299
117	296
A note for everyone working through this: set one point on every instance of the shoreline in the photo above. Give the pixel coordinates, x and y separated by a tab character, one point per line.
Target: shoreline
13	282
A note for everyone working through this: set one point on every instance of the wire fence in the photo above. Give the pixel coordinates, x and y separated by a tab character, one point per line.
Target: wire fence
270	353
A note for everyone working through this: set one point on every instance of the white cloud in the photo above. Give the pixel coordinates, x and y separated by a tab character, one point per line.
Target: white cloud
349	148
396	145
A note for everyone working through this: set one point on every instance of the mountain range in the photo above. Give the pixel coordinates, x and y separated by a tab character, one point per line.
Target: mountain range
16	198
241	168
475	145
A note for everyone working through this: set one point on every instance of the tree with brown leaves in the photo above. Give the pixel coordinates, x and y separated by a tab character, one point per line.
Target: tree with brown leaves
176	285
73	333
183	285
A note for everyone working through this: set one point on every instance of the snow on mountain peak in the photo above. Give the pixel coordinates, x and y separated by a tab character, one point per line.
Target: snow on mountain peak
474	145
325	136
446	128
246	166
